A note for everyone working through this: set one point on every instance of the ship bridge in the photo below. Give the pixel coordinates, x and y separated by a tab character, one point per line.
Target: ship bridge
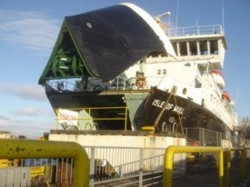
203	43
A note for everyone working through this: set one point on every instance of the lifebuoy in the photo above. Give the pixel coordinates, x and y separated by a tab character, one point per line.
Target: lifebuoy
141	82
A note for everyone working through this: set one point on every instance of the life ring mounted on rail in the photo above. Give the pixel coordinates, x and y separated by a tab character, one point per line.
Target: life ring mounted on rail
141	83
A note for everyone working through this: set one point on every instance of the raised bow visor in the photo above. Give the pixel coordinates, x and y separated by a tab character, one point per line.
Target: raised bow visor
104	43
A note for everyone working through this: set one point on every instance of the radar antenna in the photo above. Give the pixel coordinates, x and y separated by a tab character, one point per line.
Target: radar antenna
158	19
163	14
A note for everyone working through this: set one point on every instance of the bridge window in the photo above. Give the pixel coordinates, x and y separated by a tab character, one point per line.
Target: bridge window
193	48
183	48
214	47
203	47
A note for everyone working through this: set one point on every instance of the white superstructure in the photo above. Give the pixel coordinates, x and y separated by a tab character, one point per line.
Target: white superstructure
195	71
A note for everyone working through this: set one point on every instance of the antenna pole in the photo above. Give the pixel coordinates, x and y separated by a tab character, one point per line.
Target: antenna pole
222	16
177	12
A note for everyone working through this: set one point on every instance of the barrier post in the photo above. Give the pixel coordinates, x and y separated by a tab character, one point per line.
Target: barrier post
23	149
243	164
221	168
169	158
228	167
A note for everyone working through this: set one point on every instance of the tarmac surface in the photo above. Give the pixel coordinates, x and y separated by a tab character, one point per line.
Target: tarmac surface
209	177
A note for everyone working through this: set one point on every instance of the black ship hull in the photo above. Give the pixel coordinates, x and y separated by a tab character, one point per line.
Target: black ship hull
169	112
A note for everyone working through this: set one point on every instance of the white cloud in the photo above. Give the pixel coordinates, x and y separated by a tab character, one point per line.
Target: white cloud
3	120
28	111
28	128
30	92
29	30
34	112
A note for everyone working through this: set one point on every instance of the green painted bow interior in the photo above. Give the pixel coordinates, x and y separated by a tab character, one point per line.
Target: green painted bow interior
65	60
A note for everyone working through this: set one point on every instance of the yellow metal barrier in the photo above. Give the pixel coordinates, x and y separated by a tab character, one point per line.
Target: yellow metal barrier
228	167
5	163
22	149
169	158
243	164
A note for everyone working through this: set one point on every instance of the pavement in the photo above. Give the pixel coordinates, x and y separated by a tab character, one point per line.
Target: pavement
209	178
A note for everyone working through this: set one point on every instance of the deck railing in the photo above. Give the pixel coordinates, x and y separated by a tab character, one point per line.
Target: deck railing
195	30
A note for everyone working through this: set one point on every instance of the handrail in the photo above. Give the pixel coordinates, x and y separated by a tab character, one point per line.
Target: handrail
243	163
19	149
195	30
169	158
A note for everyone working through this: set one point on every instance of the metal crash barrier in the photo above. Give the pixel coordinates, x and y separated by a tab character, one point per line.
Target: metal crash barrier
243	164
169	158
26	149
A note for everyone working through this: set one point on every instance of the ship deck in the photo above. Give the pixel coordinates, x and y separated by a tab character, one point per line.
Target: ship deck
115	132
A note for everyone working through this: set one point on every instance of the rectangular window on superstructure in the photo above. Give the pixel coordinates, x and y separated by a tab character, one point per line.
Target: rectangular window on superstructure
193	48
164	71
158	72
203	47
214	47
183	48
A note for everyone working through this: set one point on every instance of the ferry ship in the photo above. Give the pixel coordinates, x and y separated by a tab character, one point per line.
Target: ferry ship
118	70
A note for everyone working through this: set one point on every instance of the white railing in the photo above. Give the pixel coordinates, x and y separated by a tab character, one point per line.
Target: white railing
195	30
113	163
96	84
107	164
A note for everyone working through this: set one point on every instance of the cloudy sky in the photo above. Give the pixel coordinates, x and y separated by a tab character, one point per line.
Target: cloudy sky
28	30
